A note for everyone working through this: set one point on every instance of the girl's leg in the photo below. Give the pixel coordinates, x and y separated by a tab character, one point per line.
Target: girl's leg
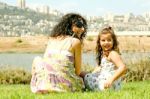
91	81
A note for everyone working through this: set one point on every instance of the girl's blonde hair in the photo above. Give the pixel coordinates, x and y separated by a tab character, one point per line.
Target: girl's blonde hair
99	51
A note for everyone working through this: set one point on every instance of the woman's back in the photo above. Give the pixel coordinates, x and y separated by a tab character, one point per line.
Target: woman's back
60	44
58	73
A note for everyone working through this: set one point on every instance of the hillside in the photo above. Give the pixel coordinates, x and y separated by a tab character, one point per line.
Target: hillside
15	21
28	13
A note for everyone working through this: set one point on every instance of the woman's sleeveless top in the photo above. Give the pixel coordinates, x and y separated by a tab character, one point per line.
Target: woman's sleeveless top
56	72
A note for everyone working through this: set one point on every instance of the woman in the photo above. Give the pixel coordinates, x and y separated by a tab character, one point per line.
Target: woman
60	68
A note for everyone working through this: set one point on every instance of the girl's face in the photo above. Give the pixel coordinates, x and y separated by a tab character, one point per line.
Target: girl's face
106	42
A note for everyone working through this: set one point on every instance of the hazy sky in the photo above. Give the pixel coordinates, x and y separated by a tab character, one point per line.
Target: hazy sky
91	7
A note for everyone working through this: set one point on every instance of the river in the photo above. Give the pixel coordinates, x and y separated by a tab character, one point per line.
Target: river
24	60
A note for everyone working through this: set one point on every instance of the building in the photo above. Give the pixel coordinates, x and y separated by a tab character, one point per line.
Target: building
22	4
43	9
46	9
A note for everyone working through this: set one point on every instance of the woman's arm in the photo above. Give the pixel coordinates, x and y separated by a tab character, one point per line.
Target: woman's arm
77	56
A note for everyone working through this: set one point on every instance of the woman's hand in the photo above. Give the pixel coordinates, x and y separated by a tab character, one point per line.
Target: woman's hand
82	74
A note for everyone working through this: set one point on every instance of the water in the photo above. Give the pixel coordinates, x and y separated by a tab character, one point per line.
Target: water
133	57
24	60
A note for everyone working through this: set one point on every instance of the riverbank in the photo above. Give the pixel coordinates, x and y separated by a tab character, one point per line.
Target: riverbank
23	44
37	44
32	44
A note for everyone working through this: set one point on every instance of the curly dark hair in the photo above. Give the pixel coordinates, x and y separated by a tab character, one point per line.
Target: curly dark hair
99	50
64	26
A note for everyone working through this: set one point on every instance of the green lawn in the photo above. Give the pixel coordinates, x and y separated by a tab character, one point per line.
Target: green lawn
133	90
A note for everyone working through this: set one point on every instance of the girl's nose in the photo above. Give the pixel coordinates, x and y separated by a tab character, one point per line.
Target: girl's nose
106	41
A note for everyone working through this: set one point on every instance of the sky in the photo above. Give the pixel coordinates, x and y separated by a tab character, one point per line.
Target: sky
91	7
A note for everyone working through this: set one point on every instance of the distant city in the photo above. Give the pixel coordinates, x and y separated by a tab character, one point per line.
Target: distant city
22	21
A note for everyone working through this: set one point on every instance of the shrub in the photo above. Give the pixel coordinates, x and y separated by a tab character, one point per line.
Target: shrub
87	68
14	76
19	41
90	38
139	71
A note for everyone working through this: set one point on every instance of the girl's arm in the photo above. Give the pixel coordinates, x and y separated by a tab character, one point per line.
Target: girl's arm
121	68
96	69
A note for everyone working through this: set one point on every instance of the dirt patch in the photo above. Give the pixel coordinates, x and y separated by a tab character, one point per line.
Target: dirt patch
38	44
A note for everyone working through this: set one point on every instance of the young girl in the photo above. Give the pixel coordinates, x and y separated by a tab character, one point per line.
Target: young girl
110	66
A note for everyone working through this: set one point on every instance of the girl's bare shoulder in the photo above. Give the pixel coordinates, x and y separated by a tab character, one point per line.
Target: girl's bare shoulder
113	55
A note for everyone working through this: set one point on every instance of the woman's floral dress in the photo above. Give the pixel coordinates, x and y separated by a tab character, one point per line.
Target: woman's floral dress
55	73
95	81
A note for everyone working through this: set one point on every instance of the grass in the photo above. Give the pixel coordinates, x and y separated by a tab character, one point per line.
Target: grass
132	90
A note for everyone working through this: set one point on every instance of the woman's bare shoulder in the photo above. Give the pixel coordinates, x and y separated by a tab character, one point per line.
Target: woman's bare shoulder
76	42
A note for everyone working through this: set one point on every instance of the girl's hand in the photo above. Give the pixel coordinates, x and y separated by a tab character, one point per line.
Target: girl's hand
97	69
108	83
